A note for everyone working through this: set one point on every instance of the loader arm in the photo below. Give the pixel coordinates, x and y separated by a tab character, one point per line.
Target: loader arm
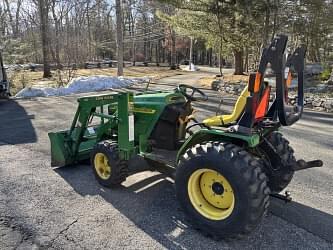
68	147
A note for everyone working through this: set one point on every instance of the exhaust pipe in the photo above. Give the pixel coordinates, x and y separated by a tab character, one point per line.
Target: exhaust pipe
301	164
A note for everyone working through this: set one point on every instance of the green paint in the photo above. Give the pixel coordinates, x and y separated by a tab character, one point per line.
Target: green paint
205	135
68	147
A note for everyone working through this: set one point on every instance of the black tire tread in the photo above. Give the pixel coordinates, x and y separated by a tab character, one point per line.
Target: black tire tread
252	174
119	167
279	179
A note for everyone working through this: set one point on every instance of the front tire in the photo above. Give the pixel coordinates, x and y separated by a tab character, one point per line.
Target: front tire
222	189
108	169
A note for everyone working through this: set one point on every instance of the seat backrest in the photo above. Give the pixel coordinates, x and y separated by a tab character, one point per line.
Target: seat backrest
240	104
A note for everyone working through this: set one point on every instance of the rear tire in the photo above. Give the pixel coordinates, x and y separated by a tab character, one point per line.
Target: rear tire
232	209
108	169
279	176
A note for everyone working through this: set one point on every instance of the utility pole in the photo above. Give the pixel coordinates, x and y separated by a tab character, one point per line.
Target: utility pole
191	54
120	43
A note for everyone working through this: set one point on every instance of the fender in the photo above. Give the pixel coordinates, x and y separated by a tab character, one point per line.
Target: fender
205	135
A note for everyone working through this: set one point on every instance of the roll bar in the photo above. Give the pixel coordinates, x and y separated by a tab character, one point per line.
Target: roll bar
288	115
282	66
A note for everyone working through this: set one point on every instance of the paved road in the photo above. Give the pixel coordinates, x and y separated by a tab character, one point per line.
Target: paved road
66	209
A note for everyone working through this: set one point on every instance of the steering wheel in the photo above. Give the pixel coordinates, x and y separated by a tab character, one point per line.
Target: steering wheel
182	88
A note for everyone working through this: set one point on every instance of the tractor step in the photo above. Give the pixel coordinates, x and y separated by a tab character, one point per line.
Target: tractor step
164	156
301	164
162	160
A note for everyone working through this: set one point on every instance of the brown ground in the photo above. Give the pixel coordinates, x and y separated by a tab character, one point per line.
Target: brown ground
207	81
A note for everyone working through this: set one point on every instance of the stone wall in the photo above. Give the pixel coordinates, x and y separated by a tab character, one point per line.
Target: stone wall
316	98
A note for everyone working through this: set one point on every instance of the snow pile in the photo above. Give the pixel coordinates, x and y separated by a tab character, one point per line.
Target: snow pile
82	85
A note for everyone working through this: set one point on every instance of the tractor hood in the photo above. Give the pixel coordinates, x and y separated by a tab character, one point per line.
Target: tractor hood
163	98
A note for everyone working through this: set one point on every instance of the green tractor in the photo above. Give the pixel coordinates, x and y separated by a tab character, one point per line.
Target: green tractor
225	167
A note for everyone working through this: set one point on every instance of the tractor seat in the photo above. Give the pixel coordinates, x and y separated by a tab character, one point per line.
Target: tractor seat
222	120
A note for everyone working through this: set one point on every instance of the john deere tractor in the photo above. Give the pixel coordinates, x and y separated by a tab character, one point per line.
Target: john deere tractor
225	167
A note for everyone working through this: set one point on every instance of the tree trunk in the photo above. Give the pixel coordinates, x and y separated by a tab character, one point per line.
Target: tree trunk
238	56
133	42
157	53
246	67
133	53
150	51
10	17
221	57
164	55
275	19
43	13
17	17
265	36
173	50
191	53
145	42
210	57
89	30
56	33
120	44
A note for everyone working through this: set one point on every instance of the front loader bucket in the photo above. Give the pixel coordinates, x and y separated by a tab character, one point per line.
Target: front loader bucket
60	150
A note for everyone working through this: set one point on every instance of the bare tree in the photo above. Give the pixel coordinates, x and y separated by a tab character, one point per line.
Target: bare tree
120	44
14	17
9	14
130	25
44	28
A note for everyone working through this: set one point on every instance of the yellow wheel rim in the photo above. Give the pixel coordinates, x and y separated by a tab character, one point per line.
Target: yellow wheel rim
102	167
211	194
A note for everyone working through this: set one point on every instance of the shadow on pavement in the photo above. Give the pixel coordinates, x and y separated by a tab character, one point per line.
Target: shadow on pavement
15	124
310	219
317	114
150	203
326	118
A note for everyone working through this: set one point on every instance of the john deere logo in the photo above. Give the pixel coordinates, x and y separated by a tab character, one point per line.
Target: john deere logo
109	97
